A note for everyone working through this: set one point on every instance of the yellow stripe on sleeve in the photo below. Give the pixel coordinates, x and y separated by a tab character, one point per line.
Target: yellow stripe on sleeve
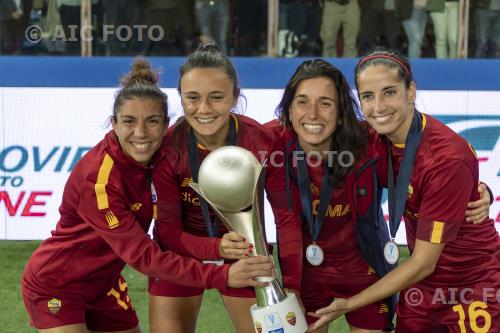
102	181
437	232
155	212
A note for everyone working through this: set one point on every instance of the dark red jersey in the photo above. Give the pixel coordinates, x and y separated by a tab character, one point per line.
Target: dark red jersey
180	225
445	178
106	211
338	236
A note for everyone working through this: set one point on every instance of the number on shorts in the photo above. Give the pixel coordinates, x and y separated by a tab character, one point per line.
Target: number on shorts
122	285
474	313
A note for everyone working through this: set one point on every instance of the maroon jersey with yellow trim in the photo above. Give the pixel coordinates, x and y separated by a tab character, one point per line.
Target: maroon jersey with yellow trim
338	237
445	177
180	225
106	211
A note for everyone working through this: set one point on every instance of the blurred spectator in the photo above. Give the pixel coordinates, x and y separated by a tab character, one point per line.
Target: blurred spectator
444	15
50	22
176	19
212	17
250	22
302	23
9	12
415	28
487	28
120	18
387	14
288	41
337	14
70	11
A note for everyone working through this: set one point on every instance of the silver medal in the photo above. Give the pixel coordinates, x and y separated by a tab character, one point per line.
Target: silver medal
391	252
314	254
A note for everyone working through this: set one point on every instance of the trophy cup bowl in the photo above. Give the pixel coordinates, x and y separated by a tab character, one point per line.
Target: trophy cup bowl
231	180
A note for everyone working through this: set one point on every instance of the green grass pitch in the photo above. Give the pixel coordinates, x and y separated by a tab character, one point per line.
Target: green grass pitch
14	319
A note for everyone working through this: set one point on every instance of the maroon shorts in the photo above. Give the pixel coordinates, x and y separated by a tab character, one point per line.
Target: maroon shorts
112	311
159	287
435	310
316	295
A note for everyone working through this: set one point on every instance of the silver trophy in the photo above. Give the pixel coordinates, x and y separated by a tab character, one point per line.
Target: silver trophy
231	180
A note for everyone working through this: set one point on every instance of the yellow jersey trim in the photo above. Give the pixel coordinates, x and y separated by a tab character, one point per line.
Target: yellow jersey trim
437	232
102	181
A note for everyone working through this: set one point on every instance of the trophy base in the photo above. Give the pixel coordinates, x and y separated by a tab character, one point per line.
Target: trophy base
284	317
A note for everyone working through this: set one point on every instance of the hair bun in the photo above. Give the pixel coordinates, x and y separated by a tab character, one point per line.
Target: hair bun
140	71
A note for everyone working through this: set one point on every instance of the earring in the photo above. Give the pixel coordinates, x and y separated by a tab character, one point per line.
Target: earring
290	117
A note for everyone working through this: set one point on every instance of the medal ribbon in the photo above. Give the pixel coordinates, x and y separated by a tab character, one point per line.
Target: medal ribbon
306	197
194	165
398	192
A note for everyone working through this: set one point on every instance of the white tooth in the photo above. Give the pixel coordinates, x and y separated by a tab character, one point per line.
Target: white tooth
141	145
206	120
313	127
382	118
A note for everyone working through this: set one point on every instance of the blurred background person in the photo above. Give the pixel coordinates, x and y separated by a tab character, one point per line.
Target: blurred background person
487	32
382	19
9	13
415	28
339	14
212	18
444	15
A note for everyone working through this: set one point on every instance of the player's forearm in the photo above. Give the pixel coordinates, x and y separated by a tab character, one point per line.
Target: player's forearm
408	273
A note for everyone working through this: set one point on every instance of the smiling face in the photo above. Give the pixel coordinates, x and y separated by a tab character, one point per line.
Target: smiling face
314	113
140	127
386	102
207	98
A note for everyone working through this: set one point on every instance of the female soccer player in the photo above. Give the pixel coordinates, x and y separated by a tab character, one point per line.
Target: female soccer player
209	93
72	282
451	281
341	254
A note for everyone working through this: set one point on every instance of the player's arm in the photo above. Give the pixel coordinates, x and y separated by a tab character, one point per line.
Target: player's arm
288	226
441	214
168	224
107	213
420	265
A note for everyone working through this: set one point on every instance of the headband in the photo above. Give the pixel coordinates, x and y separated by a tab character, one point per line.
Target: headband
384	56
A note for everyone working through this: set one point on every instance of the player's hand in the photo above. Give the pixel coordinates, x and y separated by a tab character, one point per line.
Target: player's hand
243	272
234	246
336	309
479	210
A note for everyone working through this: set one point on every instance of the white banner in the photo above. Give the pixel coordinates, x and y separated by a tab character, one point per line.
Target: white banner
45	131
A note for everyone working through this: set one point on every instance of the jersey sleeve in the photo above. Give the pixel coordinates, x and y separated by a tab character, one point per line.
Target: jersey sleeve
168	224
288	224
104	206
447	190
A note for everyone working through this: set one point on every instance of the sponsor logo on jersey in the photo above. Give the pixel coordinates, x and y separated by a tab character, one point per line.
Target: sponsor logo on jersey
134	207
